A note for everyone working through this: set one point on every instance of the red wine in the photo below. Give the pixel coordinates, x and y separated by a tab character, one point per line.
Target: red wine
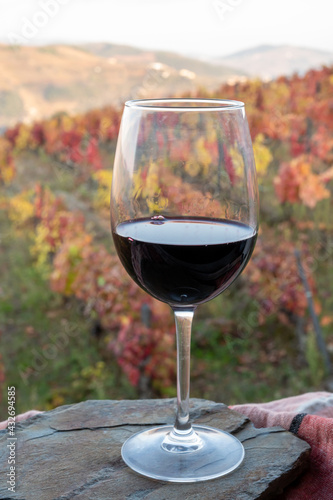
184	261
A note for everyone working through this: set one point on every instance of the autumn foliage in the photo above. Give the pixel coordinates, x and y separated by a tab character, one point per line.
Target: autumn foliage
291	122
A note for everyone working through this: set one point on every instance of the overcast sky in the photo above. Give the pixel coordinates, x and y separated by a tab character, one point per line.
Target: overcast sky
197	27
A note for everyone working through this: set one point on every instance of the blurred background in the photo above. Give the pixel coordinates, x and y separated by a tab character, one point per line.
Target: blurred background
73	326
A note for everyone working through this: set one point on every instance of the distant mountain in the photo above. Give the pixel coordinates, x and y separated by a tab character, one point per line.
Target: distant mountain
37	82
176	61
269	61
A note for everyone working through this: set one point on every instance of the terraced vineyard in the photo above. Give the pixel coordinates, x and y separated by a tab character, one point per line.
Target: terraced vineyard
74	326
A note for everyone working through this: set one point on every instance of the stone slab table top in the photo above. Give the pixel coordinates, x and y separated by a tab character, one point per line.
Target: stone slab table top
73	452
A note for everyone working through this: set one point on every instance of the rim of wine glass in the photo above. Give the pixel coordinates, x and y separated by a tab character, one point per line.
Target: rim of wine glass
208	104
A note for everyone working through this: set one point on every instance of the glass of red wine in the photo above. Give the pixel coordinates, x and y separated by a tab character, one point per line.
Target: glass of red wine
184	218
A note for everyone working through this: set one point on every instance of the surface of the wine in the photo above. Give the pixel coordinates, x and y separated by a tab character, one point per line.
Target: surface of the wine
184	261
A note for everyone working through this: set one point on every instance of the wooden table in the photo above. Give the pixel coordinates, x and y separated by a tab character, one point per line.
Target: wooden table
73	452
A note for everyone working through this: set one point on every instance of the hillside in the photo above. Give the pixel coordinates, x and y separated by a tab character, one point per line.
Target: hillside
40	81
269	61
73	326
203	70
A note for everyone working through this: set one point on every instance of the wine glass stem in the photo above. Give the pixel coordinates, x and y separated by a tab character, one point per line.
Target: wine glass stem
183	320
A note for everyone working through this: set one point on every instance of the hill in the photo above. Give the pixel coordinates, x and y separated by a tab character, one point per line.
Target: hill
72	325
203	70
269	61
40	81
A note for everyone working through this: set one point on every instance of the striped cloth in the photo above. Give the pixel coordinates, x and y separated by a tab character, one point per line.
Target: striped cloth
310	417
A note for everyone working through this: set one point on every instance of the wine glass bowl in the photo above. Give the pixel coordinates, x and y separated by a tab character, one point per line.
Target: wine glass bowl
184	219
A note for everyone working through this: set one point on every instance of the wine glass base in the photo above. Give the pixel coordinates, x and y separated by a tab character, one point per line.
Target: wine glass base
220	454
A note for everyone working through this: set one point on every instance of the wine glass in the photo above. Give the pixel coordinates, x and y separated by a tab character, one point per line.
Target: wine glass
184	219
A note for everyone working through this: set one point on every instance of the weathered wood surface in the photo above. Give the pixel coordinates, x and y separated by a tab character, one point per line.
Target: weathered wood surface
73	452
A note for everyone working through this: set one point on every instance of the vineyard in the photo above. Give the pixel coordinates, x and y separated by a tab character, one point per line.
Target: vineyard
75	326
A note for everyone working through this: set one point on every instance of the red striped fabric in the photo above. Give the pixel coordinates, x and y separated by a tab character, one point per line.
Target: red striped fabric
310	417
